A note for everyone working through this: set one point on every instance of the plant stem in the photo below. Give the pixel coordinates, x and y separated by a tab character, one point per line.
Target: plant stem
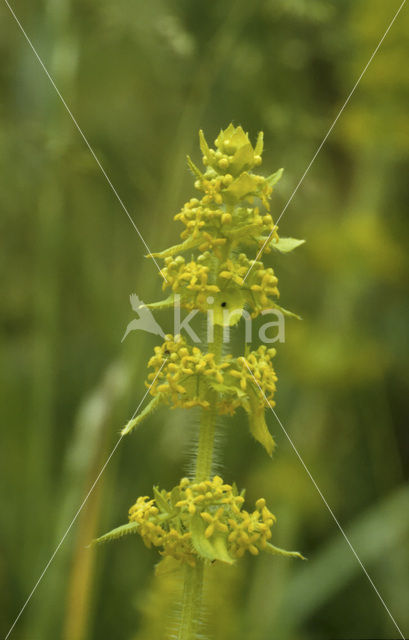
218	342
207	422
205	448
193	579
192	600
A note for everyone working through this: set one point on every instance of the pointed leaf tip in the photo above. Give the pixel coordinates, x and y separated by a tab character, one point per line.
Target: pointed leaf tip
258	150
275	177
276	551
194	169
259	429
135	422
118	532
285	245
204	147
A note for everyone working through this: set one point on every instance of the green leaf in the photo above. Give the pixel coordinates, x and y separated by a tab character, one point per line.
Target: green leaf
242	159
285	245
201	544
245	185
194	168
220	546
135	422
204	147
174	496
119	532
233	301
258	426
258	150
236	135
207	549
274	178
276	551
189	243
245	231
161	304
161	500
220	387
286	312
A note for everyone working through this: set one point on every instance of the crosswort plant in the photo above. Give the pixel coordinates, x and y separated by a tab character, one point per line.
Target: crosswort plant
203	520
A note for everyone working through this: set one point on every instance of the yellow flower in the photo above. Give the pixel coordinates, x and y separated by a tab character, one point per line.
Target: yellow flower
184	376
182	373
260	363
214	522
190	280
168	520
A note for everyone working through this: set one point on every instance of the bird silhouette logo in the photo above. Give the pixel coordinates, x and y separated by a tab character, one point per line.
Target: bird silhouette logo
145	321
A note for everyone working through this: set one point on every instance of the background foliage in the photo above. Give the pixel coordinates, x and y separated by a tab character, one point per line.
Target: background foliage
142	78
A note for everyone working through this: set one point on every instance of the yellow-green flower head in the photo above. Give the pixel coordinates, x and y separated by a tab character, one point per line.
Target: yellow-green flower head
182	373
184	376
256	292
257	364
233	153
227	292
190	280
230	217
240	226
228	191
203	520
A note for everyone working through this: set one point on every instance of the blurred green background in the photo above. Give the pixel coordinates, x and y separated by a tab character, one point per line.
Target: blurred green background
142	78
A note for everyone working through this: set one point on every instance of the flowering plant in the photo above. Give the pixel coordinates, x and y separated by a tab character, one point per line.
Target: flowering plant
202	519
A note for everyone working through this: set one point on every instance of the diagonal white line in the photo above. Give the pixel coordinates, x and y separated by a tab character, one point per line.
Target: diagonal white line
325	502
301	180
83	136
79	510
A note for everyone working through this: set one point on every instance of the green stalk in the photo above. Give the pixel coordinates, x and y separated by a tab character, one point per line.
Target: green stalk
206	444
193	579
208	422
191	602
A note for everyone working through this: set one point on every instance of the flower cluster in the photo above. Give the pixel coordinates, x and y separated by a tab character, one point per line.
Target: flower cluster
205	224
182	374
229	211
234	152
189	279
251	531
232	215
199	289
228	177
205	520
257	291
157	530
179	369
202	519
258	365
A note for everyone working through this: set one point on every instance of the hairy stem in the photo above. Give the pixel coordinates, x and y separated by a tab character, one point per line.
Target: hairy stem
206	443
193	579
191	603
207	422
